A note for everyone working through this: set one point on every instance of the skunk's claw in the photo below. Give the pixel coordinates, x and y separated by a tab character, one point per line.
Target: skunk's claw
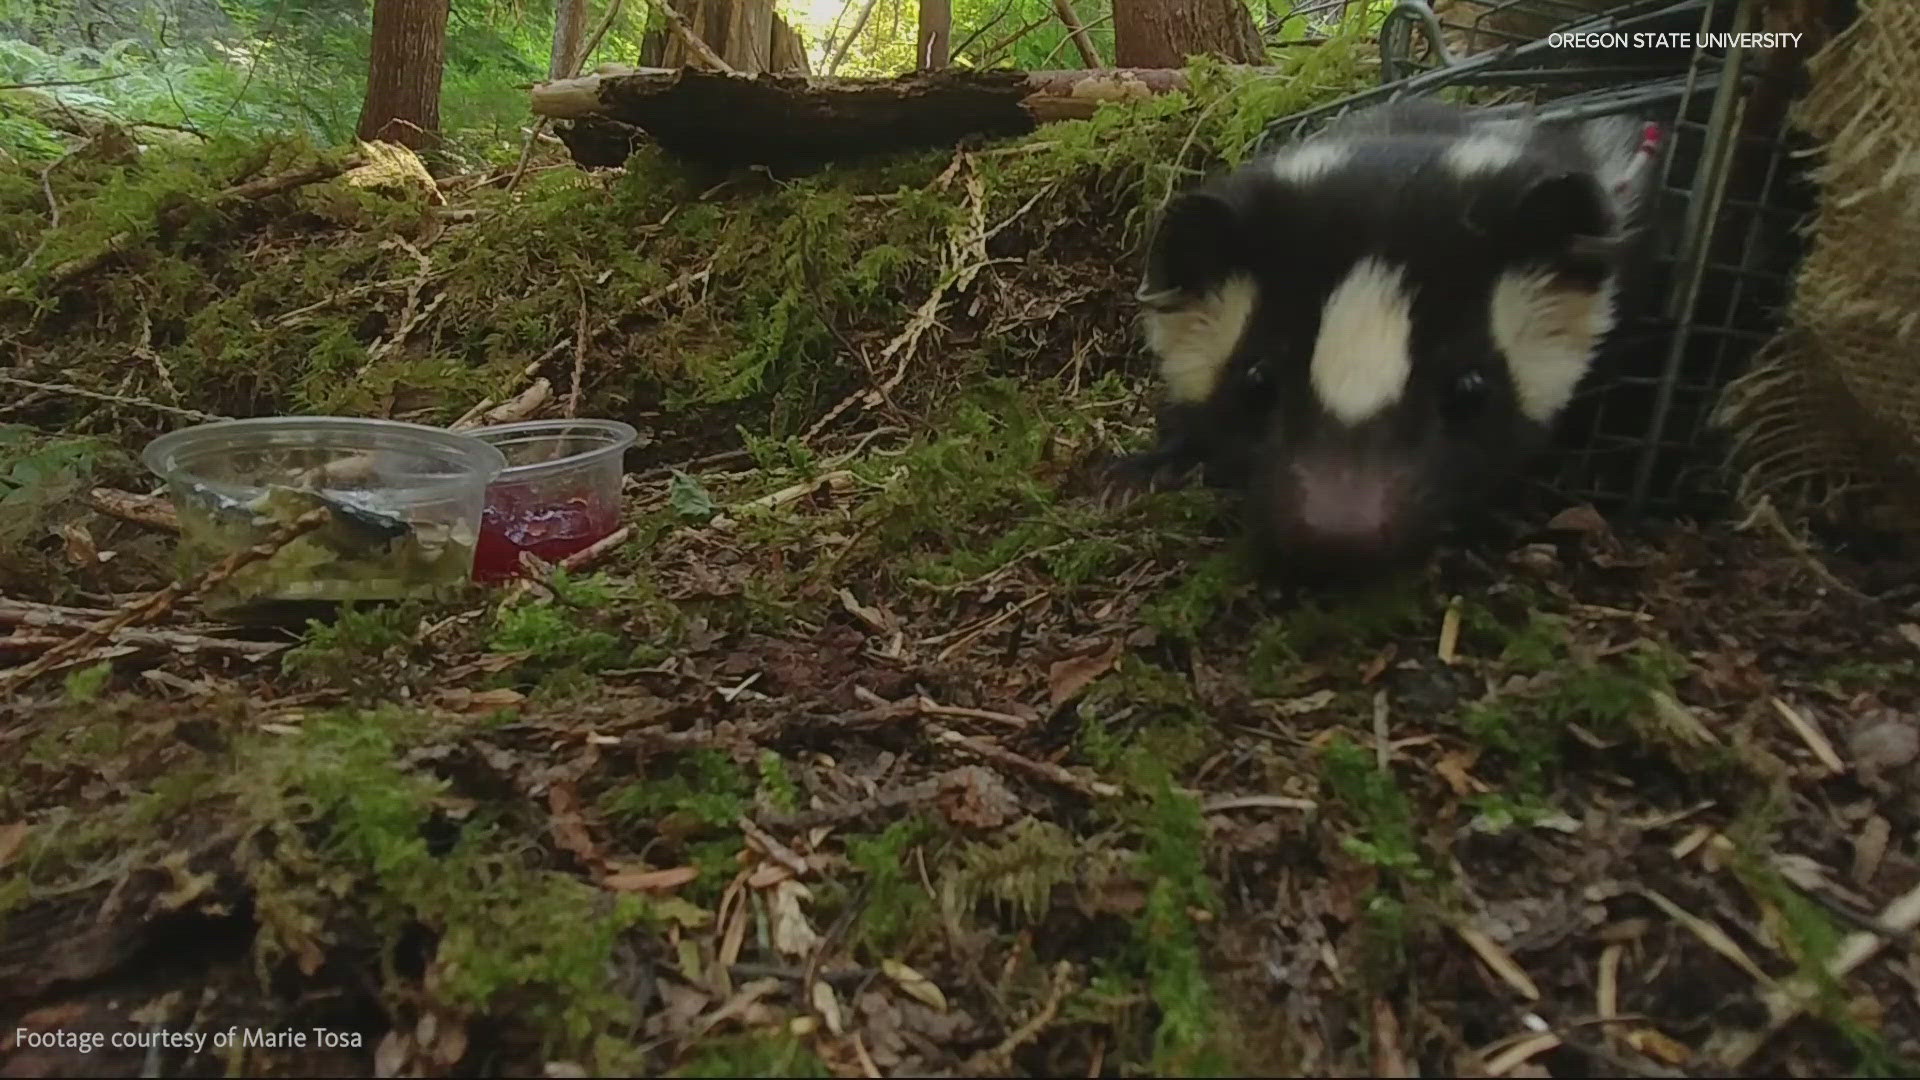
1123	480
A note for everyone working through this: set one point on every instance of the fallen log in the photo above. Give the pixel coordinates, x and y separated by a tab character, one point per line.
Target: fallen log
731	120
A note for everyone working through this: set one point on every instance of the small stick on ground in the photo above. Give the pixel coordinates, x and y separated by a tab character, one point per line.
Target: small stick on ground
865	809
150	511
774	849
158	603
1812	736
1383	744
1788	1000
579	357
579	560
1496	958
1450	633
27	614
999	1059
1044	770
522	406
1222	804
111	399
926	706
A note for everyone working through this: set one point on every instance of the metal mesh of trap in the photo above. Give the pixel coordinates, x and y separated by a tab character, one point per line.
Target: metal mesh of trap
1637	439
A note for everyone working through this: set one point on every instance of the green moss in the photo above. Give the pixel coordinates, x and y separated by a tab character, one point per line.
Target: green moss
776	784
705	787
1174	863
364	650
1190	606
1019	869
1612	698
1385	835
1853	676
504	928
1167	728
41	480
754	1055
897	906
341	842
1811	940
84	684
565	638
1358	623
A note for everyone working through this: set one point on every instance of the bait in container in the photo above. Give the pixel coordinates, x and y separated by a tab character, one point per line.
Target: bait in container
405	504
559	494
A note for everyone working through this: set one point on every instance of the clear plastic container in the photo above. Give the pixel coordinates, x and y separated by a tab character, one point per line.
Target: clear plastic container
560	492
406	501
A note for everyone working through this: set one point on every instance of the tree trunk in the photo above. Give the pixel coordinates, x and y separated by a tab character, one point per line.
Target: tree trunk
569	33
746	34
404	68
936	32
1164	33
789	52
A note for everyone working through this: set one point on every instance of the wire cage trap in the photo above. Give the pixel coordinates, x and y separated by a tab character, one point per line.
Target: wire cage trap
1638	439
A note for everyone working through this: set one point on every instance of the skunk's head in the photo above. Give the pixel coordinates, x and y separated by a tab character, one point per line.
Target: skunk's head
1371	329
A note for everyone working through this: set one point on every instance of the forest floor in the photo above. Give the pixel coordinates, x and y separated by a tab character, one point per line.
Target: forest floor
879	748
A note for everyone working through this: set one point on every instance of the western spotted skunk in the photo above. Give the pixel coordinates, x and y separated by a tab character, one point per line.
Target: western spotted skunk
1366	331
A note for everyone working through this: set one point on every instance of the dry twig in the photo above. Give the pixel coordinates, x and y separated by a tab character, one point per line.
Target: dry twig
28	614
150	511
111	399
158	603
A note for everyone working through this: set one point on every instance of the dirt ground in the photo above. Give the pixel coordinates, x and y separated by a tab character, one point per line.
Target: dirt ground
1585	825
878	747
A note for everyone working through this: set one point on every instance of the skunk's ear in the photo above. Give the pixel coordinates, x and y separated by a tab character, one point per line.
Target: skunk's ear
1196	245
1550	216
1563	210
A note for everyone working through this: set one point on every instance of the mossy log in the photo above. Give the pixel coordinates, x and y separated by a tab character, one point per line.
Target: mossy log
732	119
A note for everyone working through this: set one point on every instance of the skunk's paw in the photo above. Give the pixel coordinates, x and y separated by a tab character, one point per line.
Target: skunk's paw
1121	480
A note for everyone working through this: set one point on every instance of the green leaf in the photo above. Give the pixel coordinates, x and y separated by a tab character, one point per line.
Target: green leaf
688	498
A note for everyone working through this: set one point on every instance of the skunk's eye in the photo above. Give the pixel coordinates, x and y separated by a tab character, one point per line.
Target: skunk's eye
1467	396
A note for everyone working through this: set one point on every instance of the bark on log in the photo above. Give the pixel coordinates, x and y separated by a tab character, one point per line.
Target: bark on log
735	120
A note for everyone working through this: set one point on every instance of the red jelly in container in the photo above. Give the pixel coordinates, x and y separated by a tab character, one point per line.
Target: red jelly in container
560	492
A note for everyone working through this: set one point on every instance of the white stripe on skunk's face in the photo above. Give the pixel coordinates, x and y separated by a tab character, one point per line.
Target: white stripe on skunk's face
1364	353
1197	339
1548	333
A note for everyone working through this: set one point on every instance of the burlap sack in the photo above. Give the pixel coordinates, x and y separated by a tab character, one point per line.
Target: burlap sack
1827	424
